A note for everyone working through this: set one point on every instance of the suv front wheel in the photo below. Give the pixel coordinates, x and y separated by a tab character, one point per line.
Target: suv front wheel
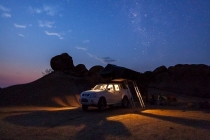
84	107
125	101
101	104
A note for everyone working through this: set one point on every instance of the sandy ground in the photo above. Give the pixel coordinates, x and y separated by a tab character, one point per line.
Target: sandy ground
151	123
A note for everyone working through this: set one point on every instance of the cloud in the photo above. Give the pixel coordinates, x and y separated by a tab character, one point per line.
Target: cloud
91	55
104	60
86	41
108	60
50	10
4	8
6	15
54	34
21	35
47	24
81	48
19	26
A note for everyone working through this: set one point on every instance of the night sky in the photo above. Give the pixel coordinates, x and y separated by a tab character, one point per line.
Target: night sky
138	34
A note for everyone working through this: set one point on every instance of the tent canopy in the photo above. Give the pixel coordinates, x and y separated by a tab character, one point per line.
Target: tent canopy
117	72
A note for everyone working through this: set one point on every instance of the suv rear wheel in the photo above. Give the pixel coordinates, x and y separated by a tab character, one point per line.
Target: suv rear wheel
125	101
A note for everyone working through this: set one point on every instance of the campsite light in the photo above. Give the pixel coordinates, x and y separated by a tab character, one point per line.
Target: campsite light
121	118
59	101
67	100
35	108
60	108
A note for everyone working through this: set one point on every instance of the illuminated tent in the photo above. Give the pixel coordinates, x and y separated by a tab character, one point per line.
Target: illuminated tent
117	72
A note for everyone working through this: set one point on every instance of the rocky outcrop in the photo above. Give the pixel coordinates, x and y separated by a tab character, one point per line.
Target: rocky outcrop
81	70
94	75
159	70
95	70
62	62
185	79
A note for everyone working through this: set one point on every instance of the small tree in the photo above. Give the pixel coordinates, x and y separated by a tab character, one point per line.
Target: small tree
47	71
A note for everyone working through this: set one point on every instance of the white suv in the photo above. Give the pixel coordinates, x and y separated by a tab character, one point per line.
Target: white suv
103	95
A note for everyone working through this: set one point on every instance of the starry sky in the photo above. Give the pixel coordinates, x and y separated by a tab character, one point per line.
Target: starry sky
137	34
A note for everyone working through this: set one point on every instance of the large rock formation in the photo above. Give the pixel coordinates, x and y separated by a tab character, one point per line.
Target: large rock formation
95	70
183	79
62	62
80	70
160	69
94	75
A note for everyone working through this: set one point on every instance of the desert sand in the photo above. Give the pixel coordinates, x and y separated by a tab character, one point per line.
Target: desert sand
155	122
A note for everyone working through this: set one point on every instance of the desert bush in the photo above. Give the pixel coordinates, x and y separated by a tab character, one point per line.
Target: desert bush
47	71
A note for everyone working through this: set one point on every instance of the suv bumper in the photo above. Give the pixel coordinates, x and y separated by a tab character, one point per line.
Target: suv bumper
89	101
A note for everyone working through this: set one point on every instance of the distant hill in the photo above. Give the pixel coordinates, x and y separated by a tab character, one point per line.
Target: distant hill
55	89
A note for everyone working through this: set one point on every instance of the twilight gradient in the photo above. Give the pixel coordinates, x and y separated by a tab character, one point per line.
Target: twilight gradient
138	34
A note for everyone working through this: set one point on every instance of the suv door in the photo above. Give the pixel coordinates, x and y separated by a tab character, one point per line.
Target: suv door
110	96
118	94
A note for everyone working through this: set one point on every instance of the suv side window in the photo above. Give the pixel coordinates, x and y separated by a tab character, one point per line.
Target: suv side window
110	86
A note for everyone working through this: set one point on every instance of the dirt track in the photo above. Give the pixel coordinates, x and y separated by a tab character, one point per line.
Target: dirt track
155	122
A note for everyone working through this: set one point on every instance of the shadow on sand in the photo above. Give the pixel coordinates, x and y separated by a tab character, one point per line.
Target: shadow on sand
94	123
204	124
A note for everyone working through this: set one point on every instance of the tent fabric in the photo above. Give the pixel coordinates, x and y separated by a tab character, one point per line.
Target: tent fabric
117	72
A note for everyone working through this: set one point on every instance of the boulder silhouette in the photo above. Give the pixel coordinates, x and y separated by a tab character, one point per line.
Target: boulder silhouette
62	62
160	70
95	70
81	70
94	75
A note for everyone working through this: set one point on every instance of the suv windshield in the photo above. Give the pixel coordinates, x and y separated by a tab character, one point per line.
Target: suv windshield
100	87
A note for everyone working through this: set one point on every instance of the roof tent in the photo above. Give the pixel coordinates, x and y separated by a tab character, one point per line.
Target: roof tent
117	72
